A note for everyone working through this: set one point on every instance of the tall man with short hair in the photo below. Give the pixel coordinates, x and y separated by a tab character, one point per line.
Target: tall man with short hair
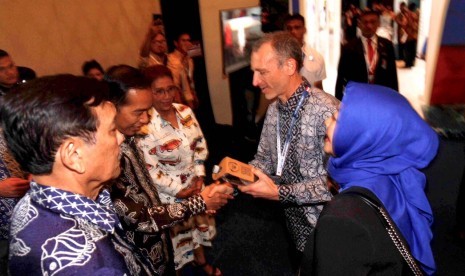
313	68
290	159
134	194
182	67
367	59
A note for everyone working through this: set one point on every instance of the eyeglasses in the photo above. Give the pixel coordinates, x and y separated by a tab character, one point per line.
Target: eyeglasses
161	91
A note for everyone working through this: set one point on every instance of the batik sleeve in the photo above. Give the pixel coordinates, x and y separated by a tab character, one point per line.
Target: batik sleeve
263	159
135	214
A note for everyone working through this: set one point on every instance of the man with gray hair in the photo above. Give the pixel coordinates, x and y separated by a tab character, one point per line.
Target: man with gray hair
289	161
61	129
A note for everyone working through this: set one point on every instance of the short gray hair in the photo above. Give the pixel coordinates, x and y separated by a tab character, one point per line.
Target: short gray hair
284	44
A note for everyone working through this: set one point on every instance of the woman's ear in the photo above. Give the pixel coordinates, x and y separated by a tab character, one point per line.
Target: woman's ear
71	154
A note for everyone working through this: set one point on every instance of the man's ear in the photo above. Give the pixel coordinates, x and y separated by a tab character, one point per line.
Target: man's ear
291	66
71	154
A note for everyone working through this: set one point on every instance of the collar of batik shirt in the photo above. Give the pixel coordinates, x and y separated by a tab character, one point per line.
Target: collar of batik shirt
99	212
291	104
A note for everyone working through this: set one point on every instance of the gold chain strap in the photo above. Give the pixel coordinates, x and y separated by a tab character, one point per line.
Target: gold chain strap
395	237
400	245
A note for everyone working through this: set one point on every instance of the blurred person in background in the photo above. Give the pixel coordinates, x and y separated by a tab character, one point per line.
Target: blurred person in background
12	75
93	69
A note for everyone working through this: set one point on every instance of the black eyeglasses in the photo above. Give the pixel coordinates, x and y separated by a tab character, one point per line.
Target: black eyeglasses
161	91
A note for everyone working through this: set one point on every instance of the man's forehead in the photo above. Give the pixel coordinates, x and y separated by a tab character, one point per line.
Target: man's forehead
159	37
138	96
369	18
263	57
185	37
266	51
294	23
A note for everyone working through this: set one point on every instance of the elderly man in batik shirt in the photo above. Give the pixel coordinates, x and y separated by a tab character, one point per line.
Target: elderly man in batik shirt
290	159
61	129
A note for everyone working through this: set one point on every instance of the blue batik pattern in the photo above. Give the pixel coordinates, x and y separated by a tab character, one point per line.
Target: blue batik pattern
99	212
6	204
59	232
302	186
8	168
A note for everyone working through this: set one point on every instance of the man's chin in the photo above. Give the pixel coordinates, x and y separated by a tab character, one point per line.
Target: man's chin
131	132
269	96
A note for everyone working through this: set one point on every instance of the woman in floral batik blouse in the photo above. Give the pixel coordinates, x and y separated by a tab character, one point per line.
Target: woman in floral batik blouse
175	149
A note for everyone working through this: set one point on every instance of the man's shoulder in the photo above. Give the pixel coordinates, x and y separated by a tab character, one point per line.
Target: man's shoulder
173	58
384	41
26	73
353	43
307	49
313	67
175	55
29	215
323	98
353	46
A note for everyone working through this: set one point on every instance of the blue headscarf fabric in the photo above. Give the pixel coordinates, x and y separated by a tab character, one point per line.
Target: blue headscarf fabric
380	143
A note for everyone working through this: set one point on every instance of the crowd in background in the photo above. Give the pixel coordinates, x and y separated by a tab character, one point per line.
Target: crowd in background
400	28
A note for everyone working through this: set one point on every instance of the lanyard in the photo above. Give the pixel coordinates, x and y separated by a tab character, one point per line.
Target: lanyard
283	154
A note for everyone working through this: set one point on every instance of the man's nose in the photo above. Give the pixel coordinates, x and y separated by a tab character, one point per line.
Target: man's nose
145	118
256	79
11	70
120	137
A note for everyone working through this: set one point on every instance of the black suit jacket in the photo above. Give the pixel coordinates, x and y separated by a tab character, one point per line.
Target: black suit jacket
352	65
350	239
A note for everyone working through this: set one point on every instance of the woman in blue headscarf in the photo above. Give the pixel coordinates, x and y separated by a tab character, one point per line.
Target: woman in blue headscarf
378	144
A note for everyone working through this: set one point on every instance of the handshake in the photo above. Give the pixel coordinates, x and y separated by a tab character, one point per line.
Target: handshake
216	195
231	172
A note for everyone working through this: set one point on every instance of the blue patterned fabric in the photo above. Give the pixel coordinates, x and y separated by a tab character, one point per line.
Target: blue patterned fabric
59	232
6	205
8	168
380	143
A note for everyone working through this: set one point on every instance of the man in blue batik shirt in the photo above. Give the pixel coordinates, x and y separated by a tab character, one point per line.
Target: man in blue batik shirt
61	129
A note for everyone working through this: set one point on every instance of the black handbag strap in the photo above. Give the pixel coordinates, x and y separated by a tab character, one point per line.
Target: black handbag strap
392	232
